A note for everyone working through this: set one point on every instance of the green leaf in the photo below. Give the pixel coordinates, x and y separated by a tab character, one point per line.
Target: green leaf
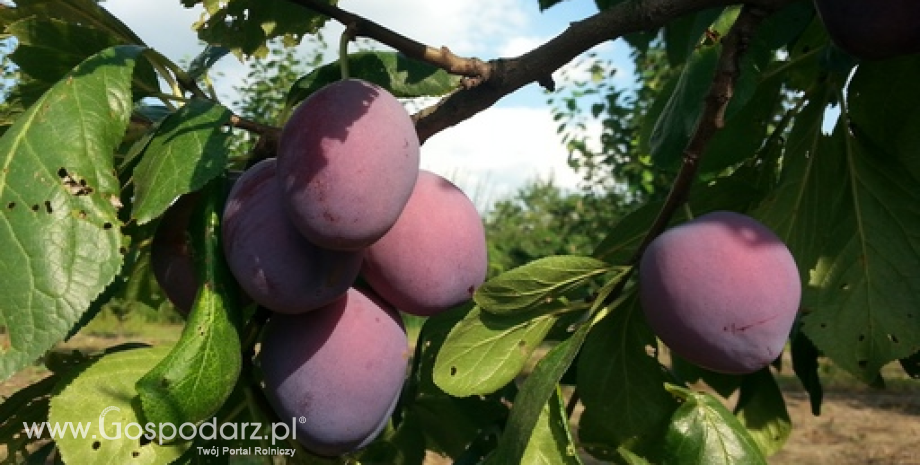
201	370
48	49
687	373
59	229
189	149
205	60
862	299
246	26
867	294
84	12
528	286
804	64
484	352
403	446
805	365
619	378
762	410
747	123
885	106
535	392
679	116
735	193
551	442
54	36
748	114
102	400
427	405
783	28
812	189
631	458
683	35
401	76
469	416
428	345
702	430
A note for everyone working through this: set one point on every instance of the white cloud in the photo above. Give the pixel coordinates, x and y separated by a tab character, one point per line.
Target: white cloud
468	28
167	29
497	151
519	45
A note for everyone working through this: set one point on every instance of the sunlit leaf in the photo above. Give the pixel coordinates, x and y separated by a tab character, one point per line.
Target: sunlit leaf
867	294
535	392
246	26
702	430
188	150
762	410
200	372
533	284
60	231
484	352
551	442
102	401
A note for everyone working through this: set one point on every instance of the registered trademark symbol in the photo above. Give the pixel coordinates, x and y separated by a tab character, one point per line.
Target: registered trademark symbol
302	419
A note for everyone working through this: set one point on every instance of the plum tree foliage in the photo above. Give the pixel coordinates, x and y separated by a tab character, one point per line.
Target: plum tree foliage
747	107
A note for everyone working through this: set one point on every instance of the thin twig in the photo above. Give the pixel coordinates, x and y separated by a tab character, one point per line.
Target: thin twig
728	69
252	126
362	27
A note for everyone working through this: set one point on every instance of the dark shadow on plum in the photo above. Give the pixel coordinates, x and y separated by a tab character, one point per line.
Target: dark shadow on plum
299	349
358	98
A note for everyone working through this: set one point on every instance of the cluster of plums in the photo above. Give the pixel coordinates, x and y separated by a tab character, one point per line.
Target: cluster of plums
721	291
344	203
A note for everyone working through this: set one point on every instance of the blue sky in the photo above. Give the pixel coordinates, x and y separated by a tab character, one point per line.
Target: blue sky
521	143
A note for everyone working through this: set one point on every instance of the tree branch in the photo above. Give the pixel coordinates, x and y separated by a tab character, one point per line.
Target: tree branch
509	75
728	69
361	27
490	81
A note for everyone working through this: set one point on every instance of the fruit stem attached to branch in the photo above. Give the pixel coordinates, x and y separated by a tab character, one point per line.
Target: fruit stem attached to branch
362	27
728	69
346	38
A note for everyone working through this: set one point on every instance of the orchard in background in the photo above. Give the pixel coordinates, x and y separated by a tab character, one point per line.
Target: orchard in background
118	164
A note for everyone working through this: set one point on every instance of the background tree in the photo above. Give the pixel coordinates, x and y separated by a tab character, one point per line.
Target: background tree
542	219
614	160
